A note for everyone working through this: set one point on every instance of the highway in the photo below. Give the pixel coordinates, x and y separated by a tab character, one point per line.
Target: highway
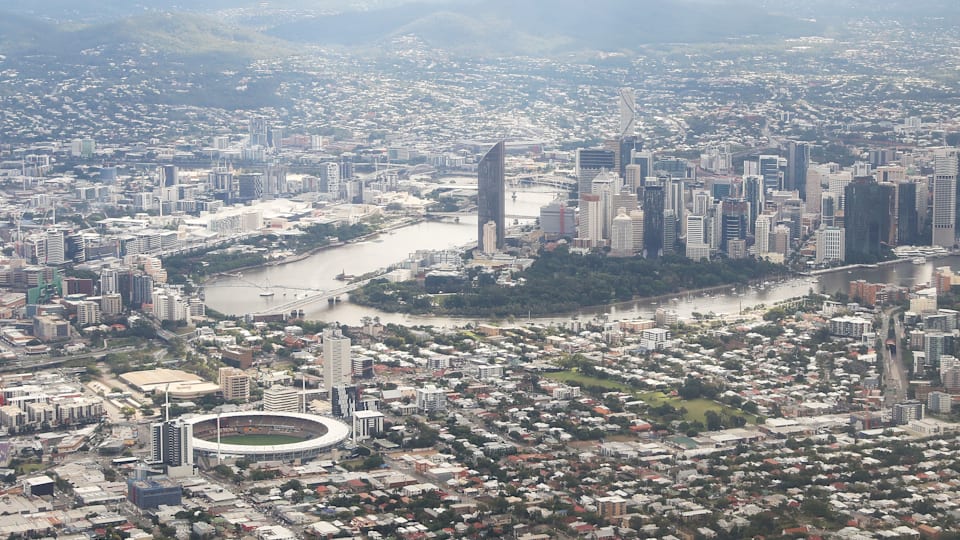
894	375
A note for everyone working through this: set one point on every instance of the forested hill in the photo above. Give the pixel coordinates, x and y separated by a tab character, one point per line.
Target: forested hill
563	282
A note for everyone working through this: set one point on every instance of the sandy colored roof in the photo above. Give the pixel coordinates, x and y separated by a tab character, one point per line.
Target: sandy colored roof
150	379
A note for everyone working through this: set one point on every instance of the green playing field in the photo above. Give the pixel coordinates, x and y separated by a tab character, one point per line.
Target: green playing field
259	440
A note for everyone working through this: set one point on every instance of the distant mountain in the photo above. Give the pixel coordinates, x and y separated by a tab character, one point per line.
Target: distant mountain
174	34
510	26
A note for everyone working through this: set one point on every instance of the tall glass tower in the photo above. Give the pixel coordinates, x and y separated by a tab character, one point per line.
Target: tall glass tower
490	189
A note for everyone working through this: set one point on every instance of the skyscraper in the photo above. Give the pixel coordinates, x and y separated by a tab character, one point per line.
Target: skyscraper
733	221
590	161
908	227
171	443
945	200
628	113
769	166
337	366
798	159
490	188
653	206
866	219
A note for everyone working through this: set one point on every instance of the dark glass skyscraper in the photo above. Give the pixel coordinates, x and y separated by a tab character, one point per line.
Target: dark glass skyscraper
653	202
490	188
866	219
908	227
798	159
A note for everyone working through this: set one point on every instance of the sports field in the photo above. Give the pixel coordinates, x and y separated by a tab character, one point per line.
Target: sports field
259	440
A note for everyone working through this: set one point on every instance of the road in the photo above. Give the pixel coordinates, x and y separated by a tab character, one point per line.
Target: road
894	375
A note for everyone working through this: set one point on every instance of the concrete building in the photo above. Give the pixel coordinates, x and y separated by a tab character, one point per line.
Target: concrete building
279	398
337	366
234	384
431	398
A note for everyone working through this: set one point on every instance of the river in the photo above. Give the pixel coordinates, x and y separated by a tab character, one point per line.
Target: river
239	295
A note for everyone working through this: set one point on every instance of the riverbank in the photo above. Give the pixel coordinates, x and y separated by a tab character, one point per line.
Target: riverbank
290	259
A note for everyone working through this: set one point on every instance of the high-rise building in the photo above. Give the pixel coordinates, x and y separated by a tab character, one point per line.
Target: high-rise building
279	398
733	221
168	175
330	179
171	443
798	159
866	219
830	244
697	247
754	193
762	231
945	200
606	185
430	398
908	220
337	366
628	113
828	210
653	207
636	227
626	146
234	384
669	232
490	193
590	161
590	229
343	400
769	169
621	237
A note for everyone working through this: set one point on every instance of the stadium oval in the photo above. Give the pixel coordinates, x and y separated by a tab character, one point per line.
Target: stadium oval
322	434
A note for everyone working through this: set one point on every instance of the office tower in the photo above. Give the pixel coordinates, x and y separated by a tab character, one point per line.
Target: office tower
168	176
866	219
669	232
633	178
697	247
935	345
828	210
636	228
675	199
605	185
628	113
754	193
621	235
733	221
644	160
171	443
769	169
798	159
490	188
336	359
653	207
701	202
557	219
590	231
830	244
762	230
221	181
945	200
626	199
908	222
234	384
590	161
279	398
626	146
